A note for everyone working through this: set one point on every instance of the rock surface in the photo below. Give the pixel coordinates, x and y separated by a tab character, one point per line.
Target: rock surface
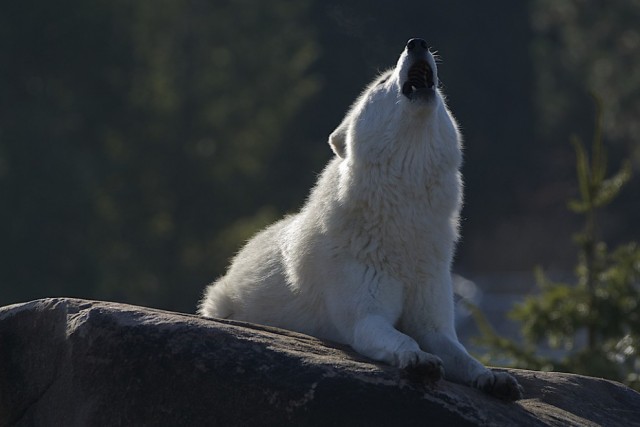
69	362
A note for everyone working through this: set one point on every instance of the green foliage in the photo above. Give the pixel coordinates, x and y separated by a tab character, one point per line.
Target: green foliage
596	191
133	133
596	321
582	46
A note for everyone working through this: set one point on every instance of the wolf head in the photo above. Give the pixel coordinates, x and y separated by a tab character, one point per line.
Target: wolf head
399	104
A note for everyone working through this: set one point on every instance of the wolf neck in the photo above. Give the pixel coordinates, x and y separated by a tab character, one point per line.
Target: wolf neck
404	197
408	157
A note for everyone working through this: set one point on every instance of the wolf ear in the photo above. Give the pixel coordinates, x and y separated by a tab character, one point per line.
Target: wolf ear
338	140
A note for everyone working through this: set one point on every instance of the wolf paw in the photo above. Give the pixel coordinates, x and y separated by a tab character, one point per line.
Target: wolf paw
500	385
421	366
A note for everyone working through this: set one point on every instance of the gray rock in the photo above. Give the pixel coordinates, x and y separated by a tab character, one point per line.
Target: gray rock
69	362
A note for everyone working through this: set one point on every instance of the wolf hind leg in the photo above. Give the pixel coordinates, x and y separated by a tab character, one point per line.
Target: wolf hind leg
216	301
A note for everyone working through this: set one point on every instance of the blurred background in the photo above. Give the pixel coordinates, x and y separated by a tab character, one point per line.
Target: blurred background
141	142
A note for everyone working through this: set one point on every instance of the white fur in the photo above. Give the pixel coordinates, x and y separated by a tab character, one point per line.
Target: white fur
367	260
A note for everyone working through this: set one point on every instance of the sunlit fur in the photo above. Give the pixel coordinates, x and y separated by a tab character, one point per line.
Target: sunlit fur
367	260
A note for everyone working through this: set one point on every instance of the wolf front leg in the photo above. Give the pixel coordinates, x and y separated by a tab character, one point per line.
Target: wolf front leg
462	368
375	337
434	331
364	310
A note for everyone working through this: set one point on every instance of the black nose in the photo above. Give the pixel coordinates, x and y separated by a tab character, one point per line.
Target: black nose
417	45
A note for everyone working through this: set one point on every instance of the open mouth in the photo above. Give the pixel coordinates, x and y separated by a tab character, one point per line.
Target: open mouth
420	78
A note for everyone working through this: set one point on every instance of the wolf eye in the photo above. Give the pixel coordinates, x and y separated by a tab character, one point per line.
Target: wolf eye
383	81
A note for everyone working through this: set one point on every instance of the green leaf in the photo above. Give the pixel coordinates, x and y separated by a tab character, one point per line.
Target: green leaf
610	188
577	206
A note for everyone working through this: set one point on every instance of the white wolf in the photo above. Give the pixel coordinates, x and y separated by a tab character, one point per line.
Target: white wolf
366	262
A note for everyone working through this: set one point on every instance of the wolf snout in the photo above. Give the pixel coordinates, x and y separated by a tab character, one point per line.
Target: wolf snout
419	71
416	45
